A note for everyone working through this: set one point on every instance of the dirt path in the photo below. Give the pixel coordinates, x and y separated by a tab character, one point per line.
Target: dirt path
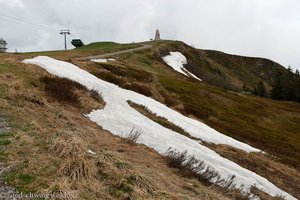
147	46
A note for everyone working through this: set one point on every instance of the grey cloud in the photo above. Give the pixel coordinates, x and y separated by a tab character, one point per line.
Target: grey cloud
254	28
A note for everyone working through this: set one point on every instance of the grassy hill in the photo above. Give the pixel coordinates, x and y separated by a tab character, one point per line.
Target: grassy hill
258	121
47	127
236	73
107	46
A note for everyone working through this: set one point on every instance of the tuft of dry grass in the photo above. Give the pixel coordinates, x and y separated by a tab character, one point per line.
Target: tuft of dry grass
96	95
75	162
132	136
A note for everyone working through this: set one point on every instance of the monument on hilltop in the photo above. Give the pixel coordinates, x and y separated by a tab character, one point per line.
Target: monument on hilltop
157	35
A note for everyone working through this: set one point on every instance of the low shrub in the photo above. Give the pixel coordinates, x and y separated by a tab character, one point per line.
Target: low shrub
141	89
168	99
193	110
62	89
110	78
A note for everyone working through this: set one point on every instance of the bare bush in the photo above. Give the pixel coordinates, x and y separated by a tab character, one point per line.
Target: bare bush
132	136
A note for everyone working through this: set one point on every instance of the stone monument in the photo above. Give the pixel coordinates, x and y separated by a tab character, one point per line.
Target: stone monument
157	35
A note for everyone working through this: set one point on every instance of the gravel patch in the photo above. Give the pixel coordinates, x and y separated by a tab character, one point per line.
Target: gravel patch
5	190
3	125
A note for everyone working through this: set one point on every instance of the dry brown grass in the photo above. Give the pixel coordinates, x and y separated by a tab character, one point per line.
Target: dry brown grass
61	187
76	163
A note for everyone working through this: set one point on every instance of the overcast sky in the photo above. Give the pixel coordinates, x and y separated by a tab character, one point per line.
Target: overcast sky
263	28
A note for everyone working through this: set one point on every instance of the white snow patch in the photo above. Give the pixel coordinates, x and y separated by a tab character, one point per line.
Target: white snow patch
99	60
104	60
91	152
176	60
118	117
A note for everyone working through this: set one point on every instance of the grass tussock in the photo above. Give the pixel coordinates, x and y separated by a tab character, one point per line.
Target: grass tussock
132	136
191	167
62	89
75	162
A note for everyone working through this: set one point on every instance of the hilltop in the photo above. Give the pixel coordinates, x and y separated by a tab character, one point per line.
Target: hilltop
50	135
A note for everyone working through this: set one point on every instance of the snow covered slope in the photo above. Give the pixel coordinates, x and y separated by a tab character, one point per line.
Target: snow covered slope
119	118
176	60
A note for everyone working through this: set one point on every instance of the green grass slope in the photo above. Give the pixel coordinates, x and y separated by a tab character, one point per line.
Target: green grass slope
227	71
108	46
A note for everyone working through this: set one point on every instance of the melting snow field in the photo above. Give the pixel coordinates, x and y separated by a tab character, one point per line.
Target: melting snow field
176	60
103	60
119	118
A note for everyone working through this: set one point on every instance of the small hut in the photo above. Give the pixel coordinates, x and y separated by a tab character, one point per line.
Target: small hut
2	45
